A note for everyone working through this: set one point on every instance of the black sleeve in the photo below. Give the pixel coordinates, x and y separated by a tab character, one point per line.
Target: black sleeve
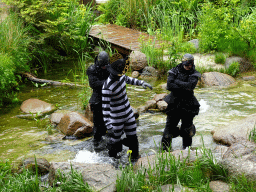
94	81
190	85
171	86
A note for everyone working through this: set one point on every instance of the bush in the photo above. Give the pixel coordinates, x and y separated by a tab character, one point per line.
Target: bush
220	58
14	55
61	25
233	69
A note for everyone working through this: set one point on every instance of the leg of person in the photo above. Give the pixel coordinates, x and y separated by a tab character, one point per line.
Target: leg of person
114	143
187	130
99	125
131	139
171	130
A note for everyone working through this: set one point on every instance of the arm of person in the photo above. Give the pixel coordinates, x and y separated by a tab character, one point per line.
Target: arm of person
106	97
190	85
134	81
94	82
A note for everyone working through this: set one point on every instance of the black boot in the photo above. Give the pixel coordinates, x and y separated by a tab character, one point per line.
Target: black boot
133	144
186	142
114	148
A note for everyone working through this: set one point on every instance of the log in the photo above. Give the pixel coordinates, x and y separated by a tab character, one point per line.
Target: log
49	82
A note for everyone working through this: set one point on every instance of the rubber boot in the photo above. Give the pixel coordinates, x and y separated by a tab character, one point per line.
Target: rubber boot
133	144
114	148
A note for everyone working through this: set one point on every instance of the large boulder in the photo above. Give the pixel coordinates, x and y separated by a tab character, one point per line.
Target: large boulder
101	177
240	159
217	79
138	60
149	72
36	106
234	132
75	124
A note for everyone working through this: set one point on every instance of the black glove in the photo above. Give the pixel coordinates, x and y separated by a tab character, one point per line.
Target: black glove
145	85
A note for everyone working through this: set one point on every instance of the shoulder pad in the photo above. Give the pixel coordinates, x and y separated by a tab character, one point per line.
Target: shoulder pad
90	70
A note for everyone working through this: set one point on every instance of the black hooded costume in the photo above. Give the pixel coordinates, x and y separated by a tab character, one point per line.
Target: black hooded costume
182	104
97	76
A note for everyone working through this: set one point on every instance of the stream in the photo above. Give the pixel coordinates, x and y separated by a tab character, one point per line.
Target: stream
22	138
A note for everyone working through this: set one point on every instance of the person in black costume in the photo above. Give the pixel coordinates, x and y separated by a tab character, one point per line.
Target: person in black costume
97	74
182	104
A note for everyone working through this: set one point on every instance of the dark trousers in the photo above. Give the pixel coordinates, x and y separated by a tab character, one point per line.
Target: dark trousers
99	128
171	130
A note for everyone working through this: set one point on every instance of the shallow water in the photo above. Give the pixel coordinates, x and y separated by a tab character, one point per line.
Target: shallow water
20	138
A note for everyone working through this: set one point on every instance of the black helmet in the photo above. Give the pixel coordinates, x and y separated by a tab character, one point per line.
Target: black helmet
187	59
119	67
102	59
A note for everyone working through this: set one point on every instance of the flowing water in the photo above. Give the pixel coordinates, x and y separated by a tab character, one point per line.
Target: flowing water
21	138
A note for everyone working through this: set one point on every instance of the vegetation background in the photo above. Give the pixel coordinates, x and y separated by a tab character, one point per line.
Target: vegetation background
39	33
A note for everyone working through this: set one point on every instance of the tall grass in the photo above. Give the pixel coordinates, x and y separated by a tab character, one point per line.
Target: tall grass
169	170
14	55
29	181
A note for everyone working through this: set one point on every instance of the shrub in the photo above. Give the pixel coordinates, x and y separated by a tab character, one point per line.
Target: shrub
220	58
233	69
14	55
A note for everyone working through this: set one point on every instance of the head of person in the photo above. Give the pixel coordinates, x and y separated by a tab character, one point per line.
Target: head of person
188	61
102	60
119	67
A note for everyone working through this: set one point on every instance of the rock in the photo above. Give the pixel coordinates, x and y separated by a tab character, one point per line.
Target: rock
249	78
217	79
243	149
195	42
36	106
82	131
235	131
57	115
151	104
244	64
149	71
135	74
163	86
70	122
101	177
43	166
219	186
138	60
88	113
160	97
175	188
162	105
239	166
150	161
142	109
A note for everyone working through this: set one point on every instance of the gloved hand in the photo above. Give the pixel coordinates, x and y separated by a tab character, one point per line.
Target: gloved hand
145	85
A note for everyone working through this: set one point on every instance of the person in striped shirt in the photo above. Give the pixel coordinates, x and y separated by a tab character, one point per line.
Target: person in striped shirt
117	112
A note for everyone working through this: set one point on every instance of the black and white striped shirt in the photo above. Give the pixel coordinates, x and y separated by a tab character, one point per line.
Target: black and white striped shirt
115	104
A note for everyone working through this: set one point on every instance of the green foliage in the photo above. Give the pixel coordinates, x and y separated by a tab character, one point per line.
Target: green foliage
252	135
220	58
227	26
60	25
233	69
28	180
14	55
169	170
